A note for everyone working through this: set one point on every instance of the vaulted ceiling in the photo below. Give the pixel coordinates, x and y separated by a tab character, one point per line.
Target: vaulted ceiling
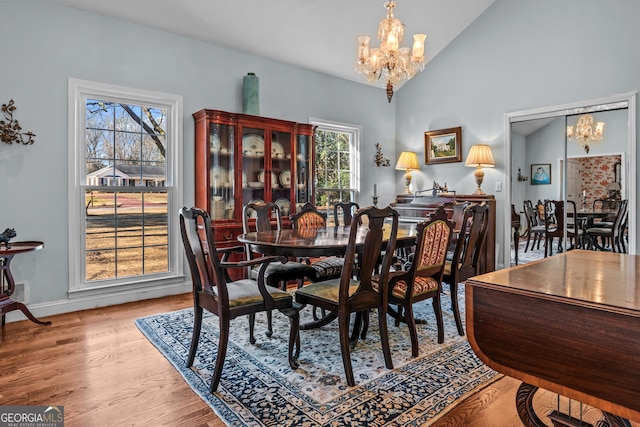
319	35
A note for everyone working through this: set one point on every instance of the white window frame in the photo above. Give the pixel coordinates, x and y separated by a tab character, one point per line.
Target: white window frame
78	92
356	131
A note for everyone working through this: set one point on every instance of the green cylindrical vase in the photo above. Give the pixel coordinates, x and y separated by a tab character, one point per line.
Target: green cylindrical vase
251	94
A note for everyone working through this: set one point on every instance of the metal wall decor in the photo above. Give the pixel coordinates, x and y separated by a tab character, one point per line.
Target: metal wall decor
380	159
10	129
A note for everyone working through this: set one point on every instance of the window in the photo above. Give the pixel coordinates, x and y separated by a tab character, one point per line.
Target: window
337	163
124	192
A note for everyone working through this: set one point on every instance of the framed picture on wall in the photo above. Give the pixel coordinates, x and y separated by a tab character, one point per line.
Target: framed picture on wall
443	146
540	173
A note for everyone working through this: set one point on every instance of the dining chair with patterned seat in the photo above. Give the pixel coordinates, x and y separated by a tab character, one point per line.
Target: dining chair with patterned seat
464	261
347	295
423	279
258	217
309	218
229	299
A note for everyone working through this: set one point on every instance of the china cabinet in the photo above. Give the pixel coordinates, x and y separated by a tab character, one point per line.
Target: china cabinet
241	158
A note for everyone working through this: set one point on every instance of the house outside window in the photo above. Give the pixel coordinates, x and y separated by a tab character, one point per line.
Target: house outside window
337	163
124	186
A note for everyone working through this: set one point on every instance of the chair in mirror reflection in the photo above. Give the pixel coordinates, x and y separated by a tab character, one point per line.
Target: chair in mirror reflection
535	223
557	222
610	235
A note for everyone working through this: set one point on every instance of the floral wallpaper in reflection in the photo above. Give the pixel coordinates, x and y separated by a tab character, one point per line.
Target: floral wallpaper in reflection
595	173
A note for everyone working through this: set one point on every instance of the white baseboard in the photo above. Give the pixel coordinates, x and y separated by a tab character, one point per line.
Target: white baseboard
94	301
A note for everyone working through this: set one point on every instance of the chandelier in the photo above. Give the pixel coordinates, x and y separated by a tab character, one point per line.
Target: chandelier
583	133
389	60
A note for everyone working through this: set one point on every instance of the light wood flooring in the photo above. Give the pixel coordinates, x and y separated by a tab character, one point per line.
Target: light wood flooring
98	365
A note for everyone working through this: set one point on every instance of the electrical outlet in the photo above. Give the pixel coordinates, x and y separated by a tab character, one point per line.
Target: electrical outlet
498	186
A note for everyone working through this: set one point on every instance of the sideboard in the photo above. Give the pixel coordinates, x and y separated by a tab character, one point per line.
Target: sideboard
417	208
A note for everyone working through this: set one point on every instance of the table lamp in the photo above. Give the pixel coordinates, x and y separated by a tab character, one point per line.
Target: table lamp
408	161
480	156
613	188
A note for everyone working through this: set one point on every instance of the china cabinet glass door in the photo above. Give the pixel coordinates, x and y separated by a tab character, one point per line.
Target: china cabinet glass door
281	171
253	165
221	174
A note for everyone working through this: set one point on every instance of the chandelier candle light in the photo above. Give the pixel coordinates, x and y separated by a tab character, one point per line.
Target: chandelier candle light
584	132
389	60
480	156
408	161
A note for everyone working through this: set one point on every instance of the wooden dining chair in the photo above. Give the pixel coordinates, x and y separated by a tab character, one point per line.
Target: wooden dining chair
535	227
229	299
464	261
310	219
344	210
612	234
346	295
423	280
259	217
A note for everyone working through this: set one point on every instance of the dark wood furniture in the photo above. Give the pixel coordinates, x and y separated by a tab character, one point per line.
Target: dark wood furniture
423	280
417	208
228	300
535	223
309	219
464	262
346	295
241	158
258	216
560	221
515	227
569	324
344	210
319	241
8	284
277	274
611	233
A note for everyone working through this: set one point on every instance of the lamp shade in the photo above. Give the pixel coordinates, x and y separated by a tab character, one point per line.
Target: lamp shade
614	186
480	155
408	161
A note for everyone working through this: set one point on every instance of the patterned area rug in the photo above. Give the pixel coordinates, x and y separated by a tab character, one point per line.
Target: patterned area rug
259	388
532	254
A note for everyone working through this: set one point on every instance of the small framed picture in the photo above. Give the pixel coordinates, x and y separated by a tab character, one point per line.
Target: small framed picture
540	173
443	146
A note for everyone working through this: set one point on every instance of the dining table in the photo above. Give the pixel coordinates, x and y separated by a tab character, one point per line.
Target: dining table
320	242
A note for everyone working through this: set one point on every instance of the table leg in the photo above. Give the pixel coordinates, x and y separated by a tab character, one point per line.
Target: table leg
8	305
528	416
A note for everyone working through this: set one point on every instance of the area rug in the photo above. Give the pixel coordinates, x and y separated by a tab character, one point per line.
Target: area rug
258	388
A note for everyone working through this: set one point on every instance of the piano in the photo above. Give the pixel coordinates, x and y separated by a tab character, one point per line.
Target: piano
417	207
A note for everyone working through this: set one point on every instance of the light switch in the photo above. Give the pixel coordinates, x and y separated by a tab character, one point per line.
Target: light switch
498	186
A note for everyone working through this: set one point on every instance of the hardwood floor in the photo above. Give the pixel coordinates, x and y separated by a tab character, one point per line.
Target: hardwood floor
104	372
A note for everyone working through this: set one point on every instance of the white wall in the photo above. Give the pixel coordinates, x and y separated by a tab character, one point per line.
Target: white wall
518	55
44	44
